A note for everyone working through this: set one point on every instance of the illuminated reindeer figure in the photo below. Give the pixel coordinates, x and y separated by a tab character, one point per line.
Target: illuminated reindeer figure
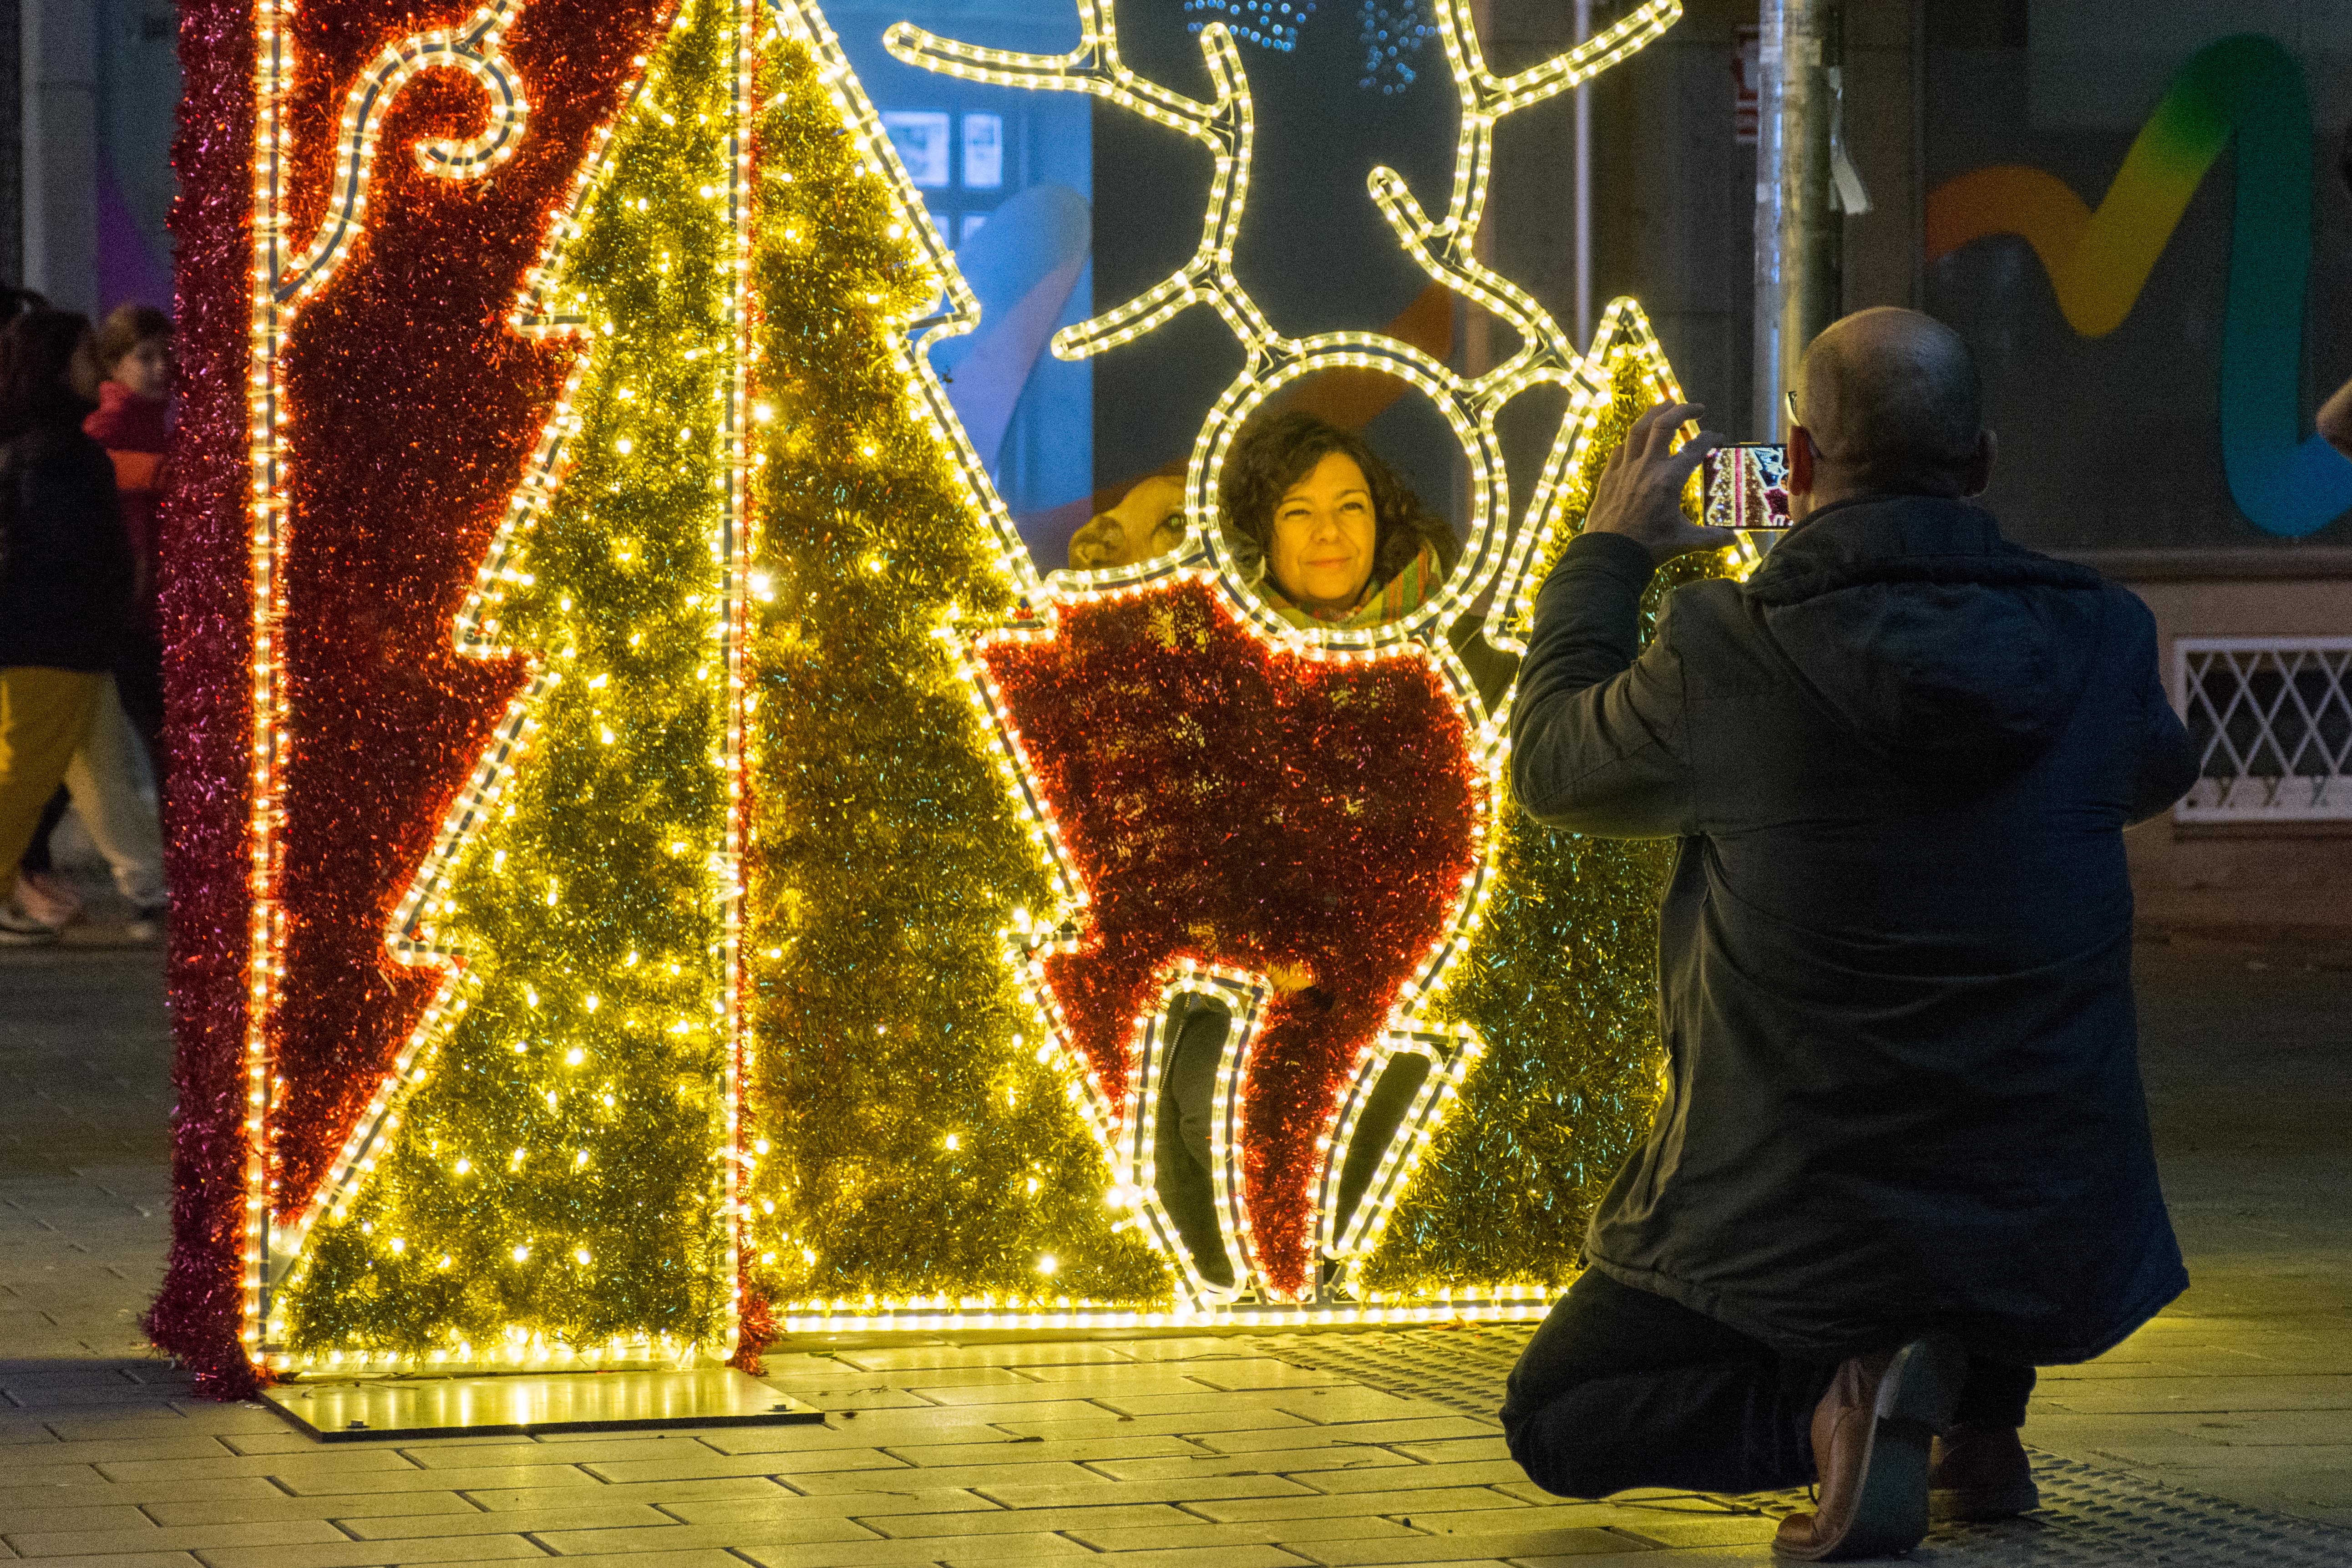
1228	798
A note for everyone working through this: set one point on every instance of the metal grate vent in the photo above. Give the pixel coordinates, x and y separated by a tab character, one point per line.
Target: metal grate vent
2089	1518
2271	721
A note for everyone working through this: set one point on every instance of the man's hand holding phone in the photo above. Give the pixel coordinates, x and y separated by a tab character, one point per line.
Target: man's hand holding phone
1639	491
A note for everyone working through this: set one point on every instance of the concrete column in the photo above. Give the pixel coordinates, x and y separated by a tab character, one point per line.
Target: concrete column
61	142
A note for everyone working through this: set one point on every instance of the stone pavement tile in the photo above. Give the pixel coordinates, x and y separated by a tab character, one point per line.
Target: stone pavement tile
124	1450
80	1396
1266	1534
870	1430
976	1378
342	1460
1351	1403
309	1482
204	1538
1193	1491
704	1462
1741	1556
1204	1399
1156	1519
2207	1394
1248	1376
104	1516
985	1478
704	1557
1190	1424
336	1505
173	1416
22	1475
1128	1378
497	1499
368	1553
851	1395
1275	1461
1209	1557
581	1514
440	1455
989	1549
1058	1392
1728	1530
1408	1436
1586	1542
1487	1445
126	1560
13	1496
1403	1502
1482	1473
914	1357
678	1537
836	1505
1194	1347
285	1441
1036	1451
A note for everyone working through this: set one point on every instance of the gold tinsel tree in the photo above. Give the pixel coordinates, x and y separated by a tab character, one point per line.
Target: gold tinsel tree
552	1176
915	1136
1560	981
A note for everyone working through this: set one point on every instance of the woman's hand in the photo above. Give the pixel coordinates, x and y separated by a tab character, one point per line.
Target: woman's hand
1640	492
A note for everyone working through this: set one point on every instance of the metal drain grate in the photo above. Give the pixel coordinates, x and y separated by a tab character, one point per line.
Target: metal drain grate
2089	1517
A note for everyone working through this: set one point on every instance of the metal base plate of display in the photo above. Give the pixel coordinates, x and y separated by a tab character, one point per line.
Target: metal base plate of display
526	1404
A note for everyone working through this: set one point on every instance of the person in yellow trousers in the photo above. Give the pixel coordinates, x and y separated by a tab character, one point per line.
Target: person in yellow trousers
66	578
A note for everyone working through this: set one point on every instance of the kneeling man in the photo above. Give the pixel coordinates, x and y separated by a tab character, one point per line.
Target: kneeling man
1903	1157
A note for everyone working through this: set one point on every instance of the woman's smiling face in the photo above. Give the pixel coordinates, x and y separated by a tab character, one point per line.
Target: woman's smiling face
1324	532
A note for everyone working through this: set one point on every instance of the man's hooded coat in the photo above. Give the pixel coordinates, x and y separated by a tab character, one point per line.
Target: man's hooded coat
1894	957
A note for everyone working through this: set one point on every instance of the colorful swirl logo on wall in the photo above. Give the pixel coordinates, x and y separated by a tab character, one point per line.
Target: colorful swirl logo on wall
2246	87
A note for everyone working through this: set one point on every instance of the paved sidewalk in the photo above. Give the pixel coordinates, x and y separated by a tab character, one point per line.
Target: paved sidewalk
1224	1451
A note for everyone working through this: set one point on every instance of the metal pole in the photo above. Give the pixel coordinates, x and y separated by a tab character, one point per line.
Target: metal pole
1797	227
1583	190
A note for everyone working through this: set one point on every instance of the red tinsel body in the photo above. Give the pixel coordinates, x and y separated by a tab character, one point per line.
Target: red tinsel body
1229	801
412	405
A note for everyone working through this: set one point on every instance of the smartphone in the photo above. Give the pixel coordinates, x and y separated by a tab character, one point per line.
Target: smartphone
1747	486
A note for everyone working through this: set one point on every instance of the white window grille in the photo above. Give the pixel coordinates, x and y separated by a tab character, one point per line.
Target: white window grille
2271	721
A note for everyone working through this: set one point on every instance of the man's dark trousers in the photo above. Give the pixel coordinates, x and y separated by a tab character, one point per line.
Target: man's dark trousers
1622	1388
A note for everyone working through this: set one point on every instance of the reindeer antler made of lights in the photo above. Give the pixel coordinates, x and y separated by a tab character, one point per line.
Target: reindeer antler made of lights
1442	247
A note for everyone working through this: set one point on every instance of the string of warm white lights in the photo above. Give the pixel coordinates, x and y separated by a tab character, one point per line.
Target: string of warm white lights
1496	556
552	1013
1443	247
556	304
281	284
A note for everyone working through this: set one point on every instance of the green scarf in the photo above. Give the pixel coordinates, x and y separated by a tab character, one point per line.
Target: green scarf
1397	597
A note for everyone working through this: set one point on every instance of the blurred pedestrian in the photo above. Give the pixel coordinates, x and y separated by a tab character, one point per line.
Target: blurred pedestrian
103	782
66	579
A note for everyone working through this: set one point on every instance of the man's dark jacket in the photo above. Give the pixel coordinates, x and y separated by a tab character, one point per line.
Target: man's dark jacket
1894	959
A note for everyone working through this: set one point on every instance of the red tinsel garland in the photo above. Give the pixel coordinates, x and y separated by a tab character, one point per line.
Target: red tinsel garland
206	620
1226	800
412	405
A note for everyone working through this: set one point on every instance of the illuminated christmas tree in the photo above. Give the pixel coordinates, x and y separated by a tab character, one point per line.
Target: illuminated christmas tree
915	1136
549	1174
1559	980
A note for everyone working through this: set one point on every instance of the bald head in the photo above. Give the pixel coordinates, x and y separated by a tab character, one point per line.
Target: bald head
1892	400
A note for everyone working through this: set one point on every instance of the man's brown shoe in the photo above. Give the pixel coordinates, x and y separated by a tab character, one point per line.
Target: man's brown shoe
1871	1436
1978	1470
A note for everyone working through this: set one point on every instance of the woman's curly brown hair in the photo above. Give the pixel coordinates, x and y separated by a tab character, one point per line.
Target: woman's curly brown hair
1272	456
